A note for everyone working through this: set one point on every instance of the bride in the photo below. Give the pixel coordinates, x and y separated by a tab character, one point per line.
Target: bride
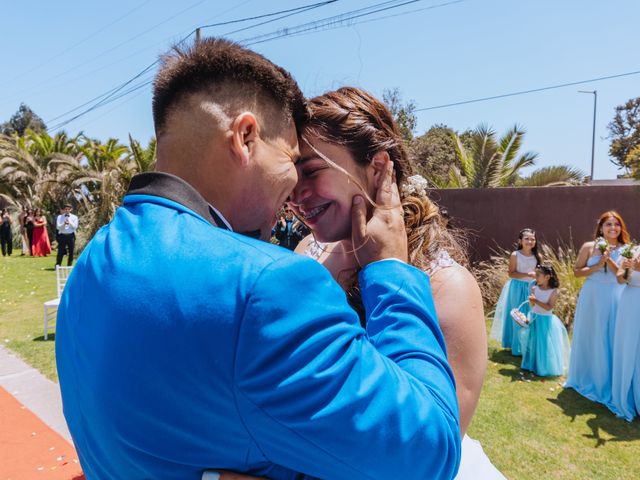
344	147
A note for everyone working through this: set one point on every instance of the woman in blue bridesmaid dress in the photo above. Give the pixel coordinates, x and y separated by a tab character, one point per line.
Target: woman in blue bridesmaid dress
625	365
522	265
545	344
594	322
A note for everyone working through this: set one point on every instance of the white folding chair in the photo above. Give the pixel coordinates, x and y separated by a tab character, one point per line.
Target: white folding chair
51	306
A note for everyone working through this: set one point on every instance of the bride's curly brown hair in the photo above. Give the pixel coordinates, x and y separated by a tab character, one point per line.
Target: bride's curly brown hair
356	120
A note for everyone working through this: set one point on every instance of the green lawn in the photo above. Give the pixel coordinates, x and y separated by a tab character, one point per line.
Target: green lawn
530	427
25	283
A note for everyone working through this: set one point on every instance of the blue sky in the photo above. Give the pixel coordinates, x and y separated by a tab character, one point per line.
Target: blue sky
63	54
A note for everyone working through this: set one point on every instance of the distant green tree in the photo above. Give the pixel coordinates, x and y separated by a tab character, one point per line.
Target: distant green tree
434	153
624	132
403	112
21	121
634	162
489	162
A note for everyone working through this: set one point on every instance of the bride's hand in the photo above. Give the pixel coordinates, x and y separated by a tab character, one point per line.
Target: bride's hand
383	235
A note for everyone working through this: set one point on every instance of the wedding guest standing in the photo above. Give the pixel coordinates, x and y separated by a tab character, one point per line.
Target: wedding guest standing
66	225
24	238
6	235
28	227
545	345
41	245
522	265
289	230
625	364
593	326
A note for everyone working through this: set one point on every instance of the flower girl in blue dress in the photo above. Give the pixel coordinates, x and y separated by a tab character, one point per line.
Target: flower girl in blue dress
522	265
625	365
594	323
545	344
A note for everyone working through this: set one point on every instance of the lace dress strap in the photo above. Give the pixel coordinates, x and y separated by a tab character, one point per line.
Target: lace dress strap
314	249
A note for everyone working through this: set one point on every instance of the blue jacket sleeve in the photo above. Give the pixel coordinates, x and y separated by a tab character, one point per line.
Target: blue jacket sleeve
321	396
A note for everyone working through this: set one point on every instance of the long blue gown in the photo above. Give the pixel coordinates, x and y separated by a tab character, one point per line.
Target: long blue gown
514	293
593	328
545	344
625	382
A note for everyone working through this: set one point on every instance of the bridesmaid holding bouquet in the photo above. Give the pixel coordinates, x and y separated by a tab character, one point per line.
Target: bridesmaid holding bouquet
594	323
625	365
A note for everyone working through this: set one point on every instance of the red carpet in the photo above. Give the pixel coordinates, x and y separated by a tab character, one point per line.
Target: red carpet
30	450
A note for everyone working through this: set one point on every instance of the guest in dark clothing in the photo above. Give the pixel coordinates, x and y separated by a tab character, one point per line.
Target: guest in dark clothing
289	231
28	226
6	236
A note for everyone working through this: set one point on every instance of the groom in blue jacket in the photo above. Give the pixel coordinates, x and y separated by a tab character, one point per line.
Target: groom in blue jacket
185	343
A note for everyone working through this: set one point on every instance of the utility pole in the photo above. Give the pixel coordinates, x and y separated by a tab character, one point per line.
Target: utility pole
593	135
198	35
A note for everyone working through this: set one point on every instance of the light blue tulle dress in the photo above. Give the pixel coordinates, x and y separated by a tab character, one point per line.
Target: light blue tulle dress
593	328
545	344
625	365
513	294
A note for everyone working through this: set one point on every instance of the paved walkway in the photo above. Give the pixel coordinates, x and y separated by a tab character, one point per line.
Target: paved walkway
34	438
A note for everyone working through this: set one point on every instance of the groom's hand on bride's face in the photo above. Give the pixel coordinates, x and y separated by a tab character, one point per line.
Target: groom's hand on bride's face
382	235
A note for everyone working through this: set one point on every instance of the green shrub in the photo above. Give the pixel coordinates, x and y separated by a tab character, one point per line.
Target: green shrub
563	259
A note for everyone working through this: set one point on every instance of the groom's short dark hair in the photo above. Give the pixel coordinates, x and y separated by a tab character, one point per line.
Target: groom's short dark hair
223	69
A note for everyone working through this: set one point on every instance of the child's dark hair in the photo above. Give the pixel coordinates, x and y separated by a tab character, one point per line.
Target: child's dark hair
535	248
547	269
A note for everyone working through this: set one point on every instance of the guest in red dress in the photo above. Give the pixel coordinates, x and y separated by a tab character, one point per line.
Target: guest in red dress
41	246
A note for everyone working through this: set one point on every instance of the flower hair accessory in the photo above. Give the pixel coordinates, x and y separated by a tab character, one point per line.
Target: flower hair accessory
416	185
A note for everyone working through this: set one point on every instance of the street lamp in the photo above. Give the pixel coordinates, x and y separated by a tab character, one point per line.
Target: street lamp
593	135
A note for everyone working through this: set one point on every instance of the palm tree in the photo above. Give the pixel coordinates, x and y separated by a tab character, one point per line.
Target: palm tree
23	176
556	175
489	162
100	176
39	170
143	158
27	170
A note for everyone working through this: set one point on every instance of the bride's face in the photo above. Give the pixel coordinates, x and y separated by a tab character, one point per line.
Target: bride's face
324	194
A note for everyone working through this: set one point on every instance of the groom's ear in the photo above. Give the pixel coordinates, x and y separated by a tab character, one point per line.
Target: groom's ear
244	132
377	165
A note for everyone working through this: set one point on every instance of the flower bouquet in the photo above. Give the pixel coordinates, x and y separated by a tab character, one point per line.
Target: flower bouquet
602	245
627	252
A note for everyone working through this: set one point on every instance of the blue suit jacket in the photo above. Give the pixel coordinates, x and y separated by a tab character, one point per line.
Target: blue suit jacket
182	347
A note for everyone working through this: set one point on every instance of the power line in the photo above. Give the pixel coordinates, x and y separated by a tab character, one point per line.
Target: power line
132	89
524	92
339	22
311	7
332	22
328	23
108	97
104	114
101	54
77	44
266	15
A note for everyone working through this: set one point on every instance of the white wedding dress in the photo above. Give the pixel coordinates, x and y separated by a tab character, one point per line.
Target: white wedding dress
474	463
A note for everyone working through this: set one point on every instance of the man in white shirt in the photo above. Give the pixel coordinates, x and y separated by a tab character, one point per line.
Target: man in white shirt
66	224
